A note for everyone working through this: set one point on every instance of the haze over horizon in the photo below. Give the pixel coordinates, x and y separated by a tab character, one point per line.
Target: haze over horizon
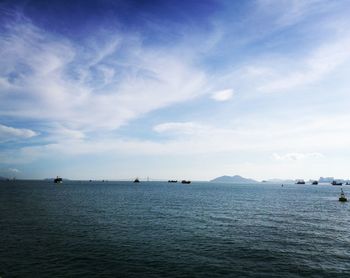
174	89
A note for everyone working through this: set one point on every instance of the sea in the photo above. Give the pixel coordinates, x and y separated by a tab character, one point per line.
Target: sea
160	229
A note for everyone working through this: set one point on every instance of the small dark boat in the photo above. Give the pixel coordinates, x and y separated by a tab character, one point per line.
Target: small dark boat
347	183
58	180
300	182
315	182
173	181
185	182
336	183
342	197
136	180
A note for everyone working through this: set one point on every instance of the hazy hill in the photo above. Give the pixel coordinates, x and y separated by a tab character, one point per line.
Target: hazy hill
233	179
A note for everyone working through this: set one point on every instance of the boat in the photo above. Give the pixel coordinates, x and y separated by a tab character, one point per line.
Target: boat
315	182
347	183
336	183
185	182
173	181
300	182
136	180
58	180
342	197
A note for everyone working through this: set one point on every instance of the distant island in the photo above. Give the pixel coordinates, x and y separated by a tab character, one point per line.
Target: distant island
233	179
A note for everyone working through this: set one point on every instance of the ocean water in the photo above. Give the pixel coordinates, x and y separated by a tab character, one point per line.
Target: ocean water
156	229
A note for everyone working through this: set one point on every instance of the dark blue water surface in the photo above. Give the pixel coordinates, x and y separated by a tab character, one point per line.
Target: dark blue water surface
156	229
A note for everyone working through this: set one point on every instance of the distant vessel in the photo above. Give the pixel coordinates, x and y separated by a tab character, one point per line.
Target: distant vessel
342	197
172	181
300	182
185	182
347	183
136	180
315	182
58	180
336	183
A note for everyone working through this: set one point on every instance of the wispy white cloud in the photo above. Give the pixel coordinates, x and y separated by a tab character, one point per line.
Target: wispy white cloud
8	133
222	95
297	156
13	170
311	137
58	133
286	13
48	78
301	43
178	127
320	62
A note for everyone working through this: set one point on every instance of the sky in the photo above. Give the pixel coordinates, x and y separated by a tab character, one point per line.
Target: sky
174	89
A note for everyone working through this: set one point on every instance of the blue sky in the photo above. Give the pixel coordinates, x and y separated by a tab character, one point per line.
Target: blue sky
174	89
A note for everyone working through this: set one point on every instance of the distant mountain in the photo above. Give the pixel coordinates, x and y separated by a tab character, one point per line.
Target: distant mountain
233	179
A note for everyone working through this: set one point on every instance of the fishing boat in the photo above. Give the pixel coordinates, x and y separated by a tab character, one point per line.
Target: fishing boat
136	180
185	182
315	182
300	182
173	181
336	183
58	180
342	197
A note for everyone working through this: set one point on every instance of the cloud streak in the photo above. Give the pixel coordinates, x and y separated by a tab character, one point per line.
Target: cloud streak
297	156
223	95
48	78
8	133
319	63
